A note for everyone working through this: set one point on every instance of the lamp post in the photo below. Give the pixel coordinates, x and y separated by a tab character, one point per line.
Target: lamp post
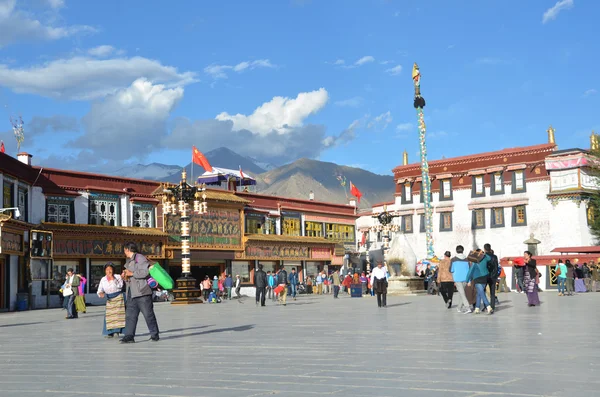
385	219
176	200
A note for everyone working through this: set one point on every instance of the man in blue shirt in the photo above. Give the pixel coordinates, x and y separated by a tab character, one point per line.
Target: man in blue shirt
460	268
293	281
228	285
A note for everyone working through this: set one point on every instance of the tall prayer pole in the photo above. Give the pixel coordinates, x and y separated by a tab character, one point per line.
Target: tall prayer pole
419	104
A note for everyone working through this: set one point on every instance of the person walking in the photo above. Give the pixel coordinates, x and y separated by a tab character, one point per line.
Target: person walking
206	286
228	284
587	277
380	284
271	284
502	286
139	294
80	299
478	274
282	281
260	282
445	280
560	271
111	288
336	283
595	276
71	292
238	286
570	278
293	282
492	266
319	283
459	269
519	271
531	290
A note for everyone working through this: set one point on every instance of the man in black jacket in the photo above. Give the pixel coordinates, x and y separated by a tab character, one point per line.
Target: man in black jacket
493	274
260	282
282	280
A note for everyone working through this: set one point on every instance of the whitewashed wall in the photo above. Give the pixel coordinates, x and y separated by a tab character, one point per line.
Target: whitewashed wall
563	225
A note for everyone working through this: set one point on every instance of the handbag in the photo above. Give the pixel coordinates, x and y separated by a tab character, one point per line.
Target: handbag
67	291
476	256
557	272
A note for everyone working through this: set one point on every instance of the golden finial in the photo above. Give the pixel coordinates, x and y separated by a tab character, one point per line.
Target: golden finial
405	158
415	71
550	132
594	141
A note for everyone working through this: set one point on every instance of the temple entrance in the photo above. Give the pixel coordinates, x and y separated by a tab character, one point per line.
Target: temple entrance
201	270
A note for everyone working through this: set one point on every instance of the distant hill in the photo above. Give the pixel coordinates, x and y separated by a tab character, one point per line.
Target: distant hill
295	180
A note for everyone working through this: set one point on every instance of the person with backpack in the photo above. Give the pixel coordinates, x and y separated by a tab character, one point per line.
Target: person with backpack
282	281
560	271
445	280
460	268
478	274
492	267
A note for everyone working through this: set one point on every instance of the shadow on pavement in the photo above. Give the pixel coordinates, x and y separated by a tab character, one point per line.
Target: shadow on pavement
179	330
399	304
19	324
213	331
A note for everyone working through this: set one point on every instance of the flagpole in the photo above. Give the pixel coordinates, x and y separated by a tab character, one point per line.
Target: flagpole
192	168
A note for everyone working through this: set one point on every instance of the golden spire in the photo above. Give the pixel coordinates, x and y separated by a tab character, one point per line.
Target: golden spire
550	132
405	158
184	175
594	145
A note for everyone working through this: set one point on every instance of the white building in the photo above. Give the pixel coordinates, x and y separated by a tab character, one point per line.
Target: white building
507	198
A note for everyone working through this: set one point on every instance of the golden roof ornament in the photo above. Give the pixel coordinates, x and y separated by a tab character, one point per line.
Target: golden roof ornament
405	158
594	142
550	132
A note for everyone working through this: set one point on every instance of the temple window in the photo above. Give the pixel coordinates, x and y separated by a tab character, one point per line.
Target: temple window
313	229
519	216
478	190
518	181
445	190
478	219
497	216
446	222
60	210
143	215
497	183
104	210
407	223
407	193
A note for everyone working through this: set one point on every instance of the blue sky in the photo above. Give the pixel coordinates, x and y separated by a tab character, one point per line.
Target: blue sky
100	84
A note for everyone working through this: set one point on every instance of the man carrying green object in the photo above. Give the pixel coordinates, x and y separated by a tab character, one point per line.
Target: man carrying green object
161	276
139	294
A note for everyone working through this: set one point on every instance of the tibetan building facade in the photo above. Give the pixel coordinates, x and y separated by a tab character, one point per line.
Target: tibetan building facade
532	198
81	220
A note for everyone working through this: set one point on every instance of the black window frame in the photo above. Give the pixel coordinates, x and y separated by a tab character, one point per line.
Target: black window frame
442	191
514	182
493	191
421	223
442	228
493	223
474	184
412	224
514	216
54	200
474	225
25	213
111	198
421	194
404	199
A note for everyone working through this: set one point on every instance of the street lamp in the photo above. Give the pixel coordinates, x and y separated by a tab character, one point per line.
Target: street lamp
16	211
176	200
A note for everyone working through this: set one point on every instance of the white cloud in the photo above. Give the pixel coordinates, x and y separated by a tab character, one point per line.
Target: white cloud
339	62
552	13
130	123
83	78
383	119
351	102
364	60
280	114
16	25
220	71
590	92
56	4
344	137
395	70
101	51
404	127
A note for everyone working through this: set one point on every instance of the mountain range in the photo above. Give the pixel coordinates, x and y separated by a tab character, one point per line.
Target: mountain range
294	180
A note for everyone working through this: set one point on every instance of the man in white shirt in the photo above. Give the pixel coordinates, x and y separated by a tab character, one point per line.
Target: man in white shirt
238	286
379	283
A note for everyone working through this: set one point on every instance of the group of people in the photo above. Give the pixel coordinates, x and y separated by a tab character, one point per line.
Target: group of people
475	274
276	284
221	286
126	295
573	279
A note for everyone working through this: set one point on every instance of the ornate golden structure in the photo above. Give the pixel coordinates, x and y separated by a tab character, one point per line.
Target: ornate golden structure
550	132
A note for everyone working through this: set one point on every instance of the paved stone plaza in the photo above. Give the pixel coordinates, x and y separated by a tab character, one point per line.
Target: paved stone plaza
314	346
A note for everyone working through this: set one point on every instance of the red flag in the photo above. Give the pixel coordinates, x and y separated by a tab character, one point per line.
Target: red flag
241	173
2	149
355	192
363	240
198	158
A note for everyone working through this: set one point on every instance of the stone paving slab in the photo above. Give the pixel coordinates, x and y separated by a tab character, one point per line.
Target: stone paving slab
313	346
